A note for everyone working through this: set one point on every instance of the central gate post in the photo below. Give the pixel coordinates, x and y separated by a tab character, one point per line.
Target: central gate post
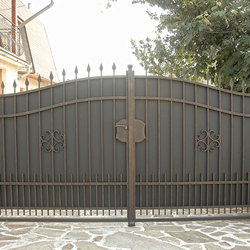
131	145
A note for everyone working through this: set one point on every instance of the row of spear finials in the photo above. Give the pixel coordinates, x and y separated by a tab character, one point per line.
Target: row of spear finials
146	68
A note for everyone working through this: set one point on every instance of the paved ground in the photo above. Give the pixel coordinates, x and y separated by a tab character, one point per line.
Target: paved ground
144	236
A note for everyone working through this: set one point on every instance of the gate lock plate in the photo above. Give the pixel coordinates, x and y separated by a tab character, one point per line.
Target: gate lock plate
122	130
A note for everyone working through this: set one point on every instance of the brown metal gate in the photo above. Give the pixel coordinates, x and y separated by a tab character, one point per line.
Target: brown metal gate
124	148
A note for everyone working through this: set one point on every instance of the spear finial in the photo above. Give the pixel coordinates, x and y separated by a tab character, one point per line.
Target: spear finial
27	84
88	70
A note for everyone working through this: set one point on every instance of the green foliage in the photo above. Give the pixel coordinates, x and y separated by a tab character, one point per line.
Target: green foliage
206	35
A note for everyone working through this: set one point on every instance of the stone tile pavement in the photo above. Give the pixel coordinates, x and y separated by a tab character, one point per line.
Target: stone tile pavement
195	235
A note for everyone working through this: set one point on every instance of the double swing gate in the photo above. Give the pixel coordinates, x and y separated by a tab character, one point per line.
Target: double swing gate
125	148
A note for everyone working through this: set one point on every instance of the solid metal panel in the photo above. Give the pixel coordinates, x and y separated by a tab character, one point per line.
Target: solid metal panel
201	94
190	143
57	94
8	105
21	103
33	101
164	88
70	94
34	145
152	87
45	97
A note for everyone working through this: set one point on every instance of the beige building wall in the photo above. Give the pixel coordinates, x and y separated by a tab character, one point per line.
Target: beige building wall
8	74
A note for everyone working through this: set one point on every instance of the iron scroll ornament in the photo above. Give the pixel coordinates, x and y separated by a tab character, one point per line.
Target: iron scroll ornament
52	141
209	141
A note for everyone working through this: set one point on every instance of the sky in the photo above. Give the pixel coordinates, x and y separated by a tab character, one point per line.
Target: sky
83	32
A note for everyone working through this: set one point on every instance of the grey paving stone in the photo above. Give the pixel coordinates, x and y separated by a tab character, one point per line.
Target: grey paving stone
136	242
62	225
212	247
83	245
192	237
15	225
228	239
7	243
208	230
76	236
155	234
37	246
69	246
19	231
164	228
241	248
224	244
193	247
194	227
243	236
217	234
49	232
216	224
171	240
97	239
7	237
173	228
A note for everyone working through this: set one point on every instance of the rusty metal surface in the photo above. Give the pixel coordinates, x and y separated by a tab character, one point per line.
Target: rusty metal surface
120	144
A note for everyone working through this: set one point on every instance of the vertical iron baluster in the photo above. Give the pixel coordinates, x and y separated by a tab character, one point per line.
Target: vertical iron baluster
0	198
183	144
72	194
208	162
219	192
140	194
77	143
131	145
84	193
248	191
23	194
11	195
47	192
243	149
3	141
195	150
102	141
64	149
96	193
189	193
201	191
171	142
177	193
225	193
59	194
153	194
52	143
35	194
40	150
109	194
232	148
28	148
146	89
237	190
165	194
213	193
159	143
121	194
89	141
15	134
114	142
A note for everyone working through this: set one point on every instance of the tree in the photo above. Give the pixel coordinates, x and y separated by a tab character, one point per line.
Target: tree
206	35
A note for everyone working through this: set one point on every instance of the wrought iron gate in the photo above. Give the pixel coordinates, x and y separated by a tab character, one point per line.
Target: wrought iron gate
127	146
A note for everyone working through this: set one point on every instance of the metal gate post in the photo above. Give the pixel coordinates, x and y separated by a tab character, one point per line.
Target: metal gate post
131	145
